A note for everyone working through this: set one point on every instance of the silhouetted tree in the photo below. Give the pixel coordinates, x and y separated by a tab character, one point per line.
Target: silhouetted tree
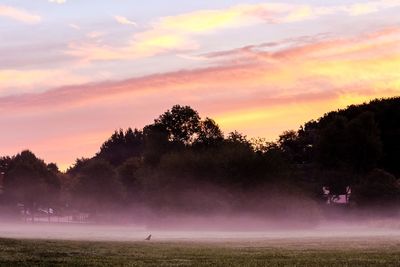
238	139
122	146
209	133
128	174
377	189
331	146
5	164
292	145
182	123
156	143
179	155
29	181
97	187
363	144
52	167
78	166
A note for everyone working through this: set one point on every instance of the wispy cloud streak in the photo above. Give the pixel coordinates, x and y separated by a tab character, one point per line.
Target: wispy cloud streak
325	64
178	33
125	21
19	14
58	1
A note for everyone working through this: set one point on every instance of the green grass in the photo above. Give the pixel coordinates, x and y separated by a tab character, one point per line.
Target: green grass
310	252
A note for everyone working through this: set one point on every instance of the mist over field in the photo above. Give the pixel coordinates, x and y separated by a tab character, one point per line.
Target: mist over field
200	133
183	173
181	186
202	229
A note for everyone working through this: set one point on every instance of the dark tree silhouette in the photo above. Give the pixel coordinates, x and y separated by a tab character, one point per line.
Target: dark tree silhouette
78	166
182	123
377	189
331	146
122	146
364	146
174	163
156	143
209	133
29	181
97	187
128	174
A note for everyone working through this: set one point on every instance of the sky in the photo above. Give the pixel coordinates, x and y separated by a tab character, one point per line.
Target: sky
73	71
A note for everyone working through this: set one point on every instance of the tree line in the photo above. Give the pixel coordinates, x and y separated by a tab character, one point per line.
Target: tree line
183	163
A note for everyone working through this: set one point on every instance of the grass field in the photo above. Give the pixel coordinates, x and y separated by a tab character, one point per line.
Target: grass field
280	252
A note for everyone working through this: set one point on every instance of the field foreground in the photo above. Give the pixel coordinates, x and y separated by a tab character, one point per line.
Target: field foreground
378	250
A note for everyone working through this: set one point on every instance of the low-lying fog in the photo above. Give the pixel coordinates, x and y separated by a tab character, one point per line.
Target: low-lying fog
92	232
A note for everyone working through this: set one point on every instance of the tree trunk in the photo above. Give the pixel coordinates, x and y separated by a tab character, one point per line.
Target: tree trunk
25	213
32	212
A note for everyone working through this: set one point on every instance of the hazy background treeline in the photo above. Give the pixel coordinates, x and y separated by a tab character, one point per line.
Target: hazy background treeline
184	164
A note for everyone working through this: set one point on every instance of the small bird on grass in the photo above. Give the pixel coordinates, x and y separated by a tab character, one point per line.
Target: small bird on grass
148	238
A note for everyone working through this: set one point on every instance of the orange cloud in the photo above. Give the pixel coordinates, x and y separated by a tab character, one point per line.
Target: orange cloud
371	60
252	89
146	44
179	32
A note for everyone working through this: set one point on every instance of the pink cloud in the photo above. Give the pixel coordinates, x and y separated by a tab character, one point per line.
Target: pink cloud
253	89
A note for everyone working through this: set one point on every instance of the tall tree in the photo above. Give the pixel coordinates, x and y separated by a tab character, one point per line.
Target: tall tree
377	189
364	146
122	146
181	122
209	133
30	182
156	143
97	188
331	146
128	174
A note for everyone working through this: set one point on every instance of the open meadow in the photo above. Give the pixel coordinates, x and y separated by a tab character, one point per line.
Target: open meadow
102	247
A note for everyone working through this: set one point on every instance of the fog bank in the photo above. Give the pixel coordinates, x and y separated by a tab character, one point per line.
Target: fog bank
133	233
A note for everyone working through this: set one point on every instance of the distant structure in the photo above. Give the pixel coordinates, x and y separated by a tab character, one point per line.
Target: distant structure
340	198
148	238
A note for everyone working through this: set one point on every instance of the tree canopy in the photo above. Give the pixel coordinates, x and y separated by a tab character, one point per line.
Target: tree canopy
179	159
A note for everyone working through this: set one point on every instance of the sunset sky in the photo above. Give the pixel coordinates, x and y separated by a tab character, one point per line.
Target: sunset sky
73	71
